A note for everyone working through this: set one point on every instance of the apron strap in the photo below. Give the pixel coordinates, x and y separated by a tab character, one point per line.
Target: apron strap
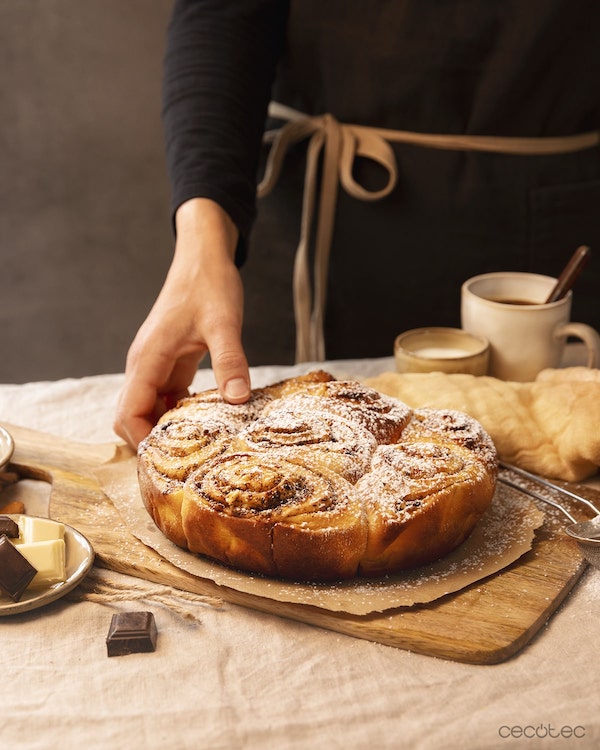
339	145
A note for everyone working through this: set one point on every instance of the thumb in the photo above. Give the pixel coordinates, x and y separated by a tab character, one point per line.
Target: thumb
230	369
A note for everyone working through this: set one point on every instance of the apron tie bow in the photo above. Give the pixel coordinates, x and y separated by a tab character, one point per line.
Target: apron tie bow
339	145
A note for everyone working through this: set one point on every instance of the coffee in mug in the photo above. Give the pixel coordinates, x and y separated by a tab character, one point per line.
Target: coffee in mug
526	334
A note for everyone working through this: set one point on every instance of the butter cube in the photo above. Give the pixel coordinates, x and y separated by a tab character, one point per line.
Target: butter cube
33	529
48	558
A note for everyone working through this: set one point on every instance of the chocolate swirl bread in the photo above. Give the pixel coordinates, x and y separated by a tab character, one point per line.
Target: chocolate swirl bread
259	512
316	479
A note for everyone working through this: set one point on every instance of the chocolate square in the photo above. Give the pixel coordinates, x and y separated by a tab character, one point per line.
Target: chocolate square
131	633
16	572
9	527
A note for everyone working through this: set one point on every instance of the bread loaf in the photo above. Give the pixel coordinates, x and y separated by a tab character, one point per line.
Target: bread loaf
316	479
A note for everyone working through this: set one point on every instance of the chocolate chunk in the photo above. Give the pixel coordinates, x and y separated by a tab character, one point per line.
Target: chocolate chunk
16	572
9	527
131	633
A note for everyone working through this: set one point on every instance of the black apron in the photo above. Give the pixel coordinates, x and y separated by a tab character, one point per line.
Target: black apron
496	68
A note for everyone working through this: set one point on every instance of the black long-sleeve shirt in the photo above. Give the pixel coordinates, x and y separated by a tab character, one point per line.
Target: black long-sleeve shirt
219	69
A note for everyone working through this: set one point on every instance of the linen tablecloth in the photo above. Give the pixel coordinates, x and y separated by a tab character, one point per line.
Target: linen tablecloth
228	677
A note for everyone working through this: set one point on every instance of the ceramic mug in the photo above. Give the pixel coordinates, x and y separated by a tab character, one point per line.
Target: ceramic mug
526	334
441	350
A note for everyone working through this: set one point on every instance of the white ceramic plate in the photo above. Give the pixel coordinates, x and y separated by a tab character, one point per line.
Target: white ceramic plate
6	448
79	560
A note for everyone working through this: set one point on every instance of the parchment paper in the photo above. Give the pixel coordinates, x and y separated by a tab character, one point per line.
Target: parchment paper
504	534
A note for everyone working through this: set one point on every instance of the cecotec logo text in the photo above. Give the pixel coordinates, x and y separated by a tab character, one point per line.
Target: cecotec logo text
541	731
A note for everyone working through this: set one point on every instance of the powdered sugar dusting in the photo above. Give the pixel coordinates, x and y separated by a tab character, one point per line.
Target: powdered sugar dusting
312	439
242	484
318	447
405	477
455	426
381	415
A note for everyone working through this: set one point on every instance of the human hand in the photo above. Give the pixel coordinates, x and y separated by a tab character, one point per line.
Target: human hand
199	310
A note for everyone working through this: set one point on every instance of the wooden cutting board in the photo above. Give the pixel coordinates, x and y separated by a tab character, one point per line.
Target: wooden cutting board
485	623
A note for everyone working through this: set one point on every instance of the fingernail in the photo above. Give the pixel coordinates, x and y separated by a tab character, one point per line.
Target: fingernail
236	388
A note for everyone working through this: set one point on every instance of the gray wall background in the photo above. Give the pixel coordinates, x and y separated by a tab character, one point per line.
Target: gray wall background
85	236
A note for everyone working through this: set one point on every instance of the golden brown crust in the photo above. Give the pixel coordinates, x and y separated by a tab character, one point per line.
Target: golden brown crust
176	447
456	427
198	428
422	500
316	479
162	498
259	511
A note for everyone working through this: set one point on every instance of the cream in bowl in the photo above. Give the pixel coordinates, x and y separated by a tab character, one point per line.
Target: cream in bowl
441	350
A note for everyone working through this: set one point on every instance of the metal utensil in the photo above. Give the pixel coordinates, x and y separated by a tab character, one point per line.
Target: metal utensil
587	533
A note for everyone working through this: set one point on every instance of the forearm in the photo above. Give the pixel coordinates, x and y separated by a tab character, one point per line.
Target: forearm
219	69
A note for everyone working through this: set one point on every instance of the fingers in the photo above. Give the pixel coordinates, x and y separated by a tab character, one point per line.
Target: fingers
155	380
134	416
164	358
230	367
199	309
236	390
133	430
142	401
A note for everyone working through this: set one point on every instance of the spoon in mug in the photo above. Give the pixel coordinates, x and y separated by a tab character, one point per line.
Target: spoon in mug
570	273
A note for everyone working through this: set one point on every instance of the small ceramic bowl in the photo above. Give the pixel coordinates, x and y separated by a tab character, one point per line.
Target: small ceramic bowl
7	447
441	350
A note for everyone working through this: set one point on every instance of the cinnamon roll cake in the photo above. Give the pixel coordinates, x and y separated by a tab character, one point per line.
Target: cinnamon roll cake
316	479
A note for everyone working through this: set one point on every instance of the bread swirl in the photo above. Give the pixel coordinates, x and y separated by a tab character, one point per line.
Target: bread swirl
382	416
198	428
316	479
171	452
422	499
260	512
311	438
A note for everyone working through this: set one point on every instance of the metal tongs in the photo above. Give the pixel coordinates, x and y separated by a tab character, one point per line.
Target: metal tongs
587	533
